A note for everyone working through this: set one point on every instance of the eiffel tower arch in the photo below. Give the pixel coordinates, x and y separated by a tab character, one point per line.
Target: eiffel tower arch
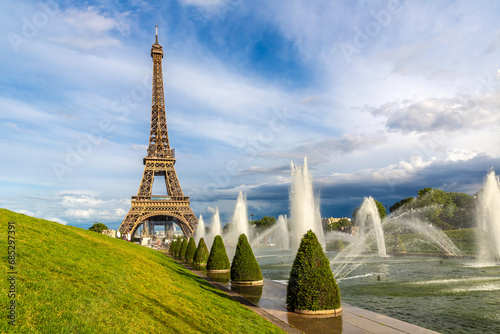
159	161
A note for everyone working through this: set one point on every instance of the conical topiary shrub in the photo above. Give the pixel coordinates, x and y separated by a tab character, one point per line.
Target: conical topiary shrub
312	289
338	245
171	249
182	252
191	249
178	247
218	260
244	269
201	254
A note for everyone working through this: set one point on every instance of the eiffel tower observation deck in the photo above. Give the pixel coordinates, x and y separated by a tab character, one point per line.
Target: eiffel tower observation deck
147	208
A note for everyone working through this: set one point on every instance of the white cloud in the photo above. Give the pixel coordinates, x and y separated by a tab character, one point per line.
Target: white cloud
58	220
77	198
119	213
80	213
460	113
460	155
92	20
25	212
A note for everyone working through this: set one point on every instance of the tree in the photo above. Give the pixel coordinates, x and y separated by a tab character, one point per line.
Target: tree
98	227
439	208
264	223
397	245
311	285
191	249
227	228
201	254
171	249
244	266
218	260
182	251
401	203
335	226
178	247
380	208
338	245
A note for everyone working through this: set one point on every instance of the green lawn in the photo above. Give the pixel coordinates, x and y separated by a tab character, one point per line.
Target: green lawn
70	280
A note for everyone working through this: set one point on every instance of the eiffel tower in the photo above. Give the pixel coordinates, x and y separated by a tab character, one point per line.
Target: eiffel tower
160	160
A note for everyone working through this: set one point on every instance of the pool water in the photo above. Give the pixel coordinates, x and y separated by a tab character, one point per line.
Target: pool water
445	295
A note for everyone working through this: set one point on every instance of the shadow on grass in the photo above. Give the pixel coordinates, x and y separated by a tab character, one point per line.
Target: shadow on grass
188	320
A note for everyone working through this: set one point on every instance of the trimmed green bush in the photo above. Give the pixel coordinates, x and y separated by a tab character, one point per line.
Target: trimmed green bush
218	259
178	247
338	245
191	249
398	246
244	266
201	254
311	285
182	252
171	249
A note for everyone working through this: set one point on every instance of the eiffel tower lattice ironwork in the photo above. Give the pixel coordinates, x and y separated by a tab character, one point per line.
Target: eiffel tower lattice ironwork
159	161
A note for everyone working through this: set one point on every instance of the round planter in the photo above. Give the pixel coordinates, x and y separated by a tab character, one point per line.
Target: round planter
247	283
200	264
325	313
214	271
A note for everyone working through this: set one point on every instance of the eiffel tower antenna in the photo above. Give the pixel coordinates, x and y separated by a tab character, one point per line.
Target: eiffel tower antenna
159	161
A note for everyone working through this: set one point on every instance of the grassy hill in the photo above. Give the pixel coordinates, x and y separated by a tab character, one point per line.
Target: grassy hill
70	280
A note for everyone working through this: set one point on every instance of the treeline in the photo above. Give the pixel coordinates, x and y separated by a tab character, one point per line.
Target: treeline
446	210
263	223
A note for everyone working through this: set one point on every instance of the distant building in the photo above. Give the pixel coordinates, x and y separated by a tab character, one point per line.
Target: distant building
328	221
110	233
352	230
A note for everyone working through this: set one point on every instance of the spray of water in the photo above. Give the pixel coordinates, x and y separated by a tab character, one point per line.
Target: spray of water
215	229
488	231
304	207
277	234
239	221
200	230
409	221
368	219
283	236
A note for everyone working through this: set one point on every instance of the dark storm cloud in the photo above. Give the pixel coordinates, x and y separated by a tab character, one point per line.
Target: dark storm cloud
284	169
340	194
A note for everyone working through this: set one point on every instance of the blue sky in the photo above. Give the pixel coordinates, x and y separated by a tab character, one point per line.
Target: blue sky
383	97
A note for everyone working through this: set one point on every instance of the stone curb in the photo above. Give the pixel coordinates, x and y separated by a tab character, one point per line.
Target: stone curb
323	313
247	283
217	271
269	317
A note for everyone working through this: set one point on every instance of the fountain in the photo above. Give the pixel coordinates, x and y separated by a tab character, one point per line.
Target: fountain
215	229
368	278
278	234
304	208
405	221
368	214
200	230
283	236
488	231
239	221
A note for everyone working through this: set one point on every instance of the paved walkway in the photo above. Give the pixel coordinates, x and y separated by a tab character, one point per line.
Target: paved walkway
268	301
